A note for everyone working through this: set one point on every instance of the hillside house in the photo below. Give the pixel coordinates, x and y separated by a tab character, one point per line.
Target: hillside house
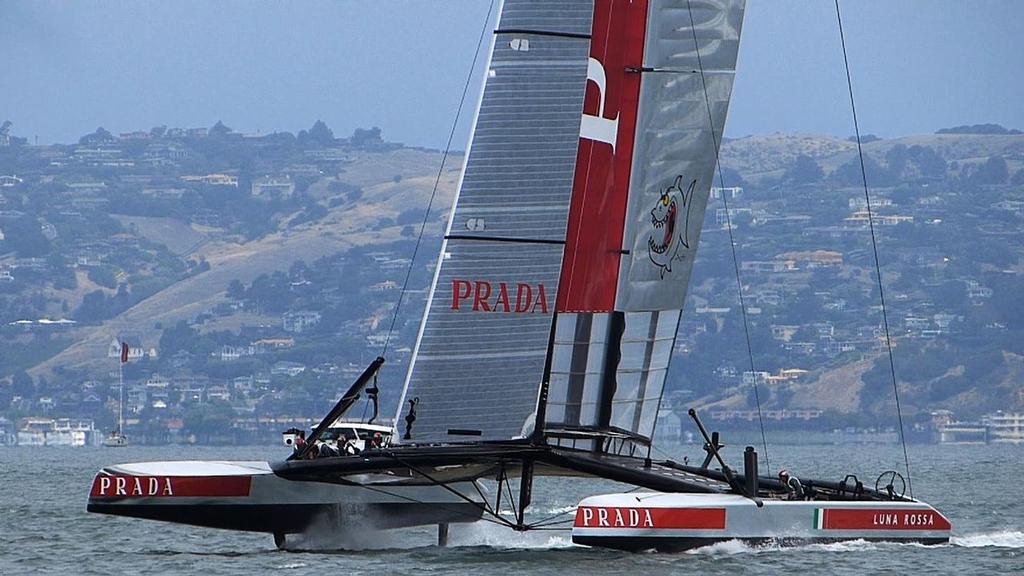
731	192
9	181
977	293
299	322
273	187
860	218
136	350
286	368
230	353
266	345
213	179
814	258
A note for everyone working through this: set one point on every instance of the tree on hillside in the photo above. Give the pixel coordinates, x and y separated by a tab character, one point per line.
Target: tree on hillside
25	236
929	163
179	337
993	172
236	290
362	138
849	174
978	129
22	385
803	171
100	136
219	130
319	134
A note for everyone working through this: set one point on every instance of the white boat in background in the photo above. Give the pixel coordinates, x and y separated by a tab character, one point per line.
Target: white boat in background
551	320
116	438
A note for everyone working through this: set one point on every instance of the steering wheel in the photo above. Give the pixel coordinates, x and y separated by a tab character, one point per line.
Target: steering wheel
888	480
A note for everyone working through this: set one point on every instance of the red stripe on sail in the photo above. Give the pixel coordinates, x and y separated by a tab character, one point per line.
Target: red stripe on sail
597	211
124	352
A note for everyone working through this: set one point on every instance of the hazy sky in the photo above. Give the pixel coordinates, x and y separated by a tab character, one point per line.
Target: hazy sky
69	67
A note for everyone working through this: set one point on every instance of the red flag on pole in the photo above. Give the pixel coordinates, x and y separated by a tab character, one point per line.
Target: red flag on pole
124	352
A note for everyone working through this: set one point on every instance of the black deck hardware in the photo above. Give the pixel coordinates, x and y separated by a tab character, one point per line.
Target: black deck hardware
347	400
750	470
410	418
736	486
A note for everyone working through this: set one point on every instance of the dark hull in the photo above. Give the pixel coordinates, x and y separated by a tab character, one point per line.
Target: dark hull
249	496
294	518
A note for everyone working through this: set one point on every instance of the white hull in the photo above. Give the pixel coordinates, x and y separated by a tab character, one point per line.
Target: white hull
115	441
672	522
249	496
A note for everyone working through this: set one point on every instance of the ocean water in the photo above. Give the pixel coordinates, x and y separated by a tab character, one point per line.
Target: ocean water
44	528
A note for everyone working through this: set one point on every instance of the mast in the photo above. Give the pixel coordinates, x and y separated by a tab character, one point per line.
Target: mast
125	352
120	402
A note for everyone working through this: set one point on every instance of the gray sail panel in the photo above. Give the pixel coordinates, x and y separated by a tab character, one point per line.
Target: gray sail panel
670	38
673	168
577	370
676	151
479	358
646	349
564	16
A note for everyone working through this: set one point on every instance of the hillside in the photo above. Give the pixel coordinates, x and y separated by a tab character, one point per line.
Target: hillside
265	271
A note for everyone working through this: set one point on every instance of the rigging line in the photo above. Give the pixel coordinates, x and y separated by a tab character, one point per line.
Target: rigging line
874	247
552	520
485	507
732	242
437	180
440	506
550	525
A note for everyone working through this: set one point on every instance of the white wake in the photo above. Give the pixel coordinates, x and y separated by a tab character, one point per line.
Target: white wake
1003	539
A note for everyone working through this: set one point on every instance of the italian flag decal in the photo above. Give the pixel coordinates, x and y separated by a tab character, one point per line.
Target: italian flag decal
819	518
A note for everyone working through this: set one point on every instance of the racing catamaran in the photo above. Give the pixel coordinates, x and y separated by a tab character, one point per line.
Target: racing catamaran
552	316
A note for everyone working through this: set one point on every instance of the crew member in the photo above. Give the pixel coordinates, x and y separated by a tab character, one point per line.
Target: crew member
328	451
377	441
350	447
313	453
794	489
